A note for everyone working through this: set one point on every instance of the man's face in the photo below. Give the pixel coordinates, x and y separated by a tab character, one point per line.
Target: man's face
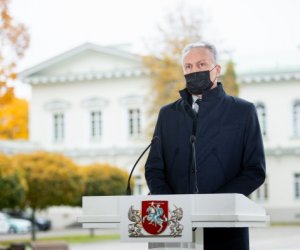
201	59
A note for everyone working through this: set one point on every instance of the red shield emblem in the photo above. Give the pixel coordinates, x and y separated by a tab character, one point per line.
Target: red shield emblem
155	216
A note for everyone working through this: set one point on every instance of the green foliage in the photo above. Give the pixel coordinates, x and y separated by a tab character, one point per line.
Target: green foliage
12	189
52	179
229	80
39	180
103	179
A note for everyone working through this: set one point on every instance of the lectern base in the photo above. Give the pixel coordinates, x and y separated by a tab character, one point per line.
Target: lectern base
197	243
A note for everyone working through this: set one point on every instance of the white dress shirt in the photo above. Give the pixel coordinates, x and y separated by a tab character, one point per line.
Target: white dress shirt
195	106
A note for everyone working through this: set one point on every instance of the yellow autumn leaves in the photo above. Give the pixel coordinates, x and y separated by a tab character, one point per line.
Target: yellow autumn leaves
14	119
14	40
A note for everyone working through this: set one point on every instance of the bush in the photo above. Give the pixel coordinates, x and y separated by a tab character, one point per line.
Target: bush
104	179
52	179
12	188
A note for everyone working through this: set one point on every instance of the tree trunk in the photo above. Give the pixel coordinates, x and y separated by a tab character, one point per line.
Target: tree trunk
33	232
92	232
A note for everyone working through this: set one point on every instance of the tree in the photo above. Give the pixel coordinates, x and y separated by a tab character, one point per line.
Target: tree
104	179
14	40
52	179
181	28
12	187
229	79
14	119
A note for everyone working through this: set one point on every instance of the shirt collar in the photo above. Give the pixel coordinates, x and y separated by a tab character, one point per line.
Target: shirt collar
195	98
209	95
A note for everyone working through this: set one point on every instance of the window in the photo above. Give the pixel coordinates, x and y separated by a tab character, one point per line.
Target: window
138	184
296	119
134	122
261	194
96	124
261	113
58	120
297	185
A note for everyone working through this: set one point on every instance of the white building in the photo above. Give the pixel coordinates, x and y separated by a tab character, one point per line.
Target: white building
277	98
90	103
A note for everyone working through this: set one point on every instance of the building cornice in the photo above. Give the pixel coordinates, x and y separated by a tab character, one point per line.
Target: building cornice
18	146
89	76
22	146
103	152
115	151
280	151
268	77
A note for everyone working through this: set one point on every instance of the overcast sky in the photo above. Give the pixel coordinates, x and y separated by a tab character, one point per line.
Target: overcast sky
261	34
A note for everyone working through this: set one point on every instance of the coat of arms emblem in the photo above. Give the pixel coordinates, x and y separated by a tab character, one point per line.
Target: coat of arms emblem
154	218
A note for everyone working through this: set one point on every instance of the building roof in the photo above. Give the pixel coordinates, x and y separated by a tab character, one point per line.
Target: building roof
30	75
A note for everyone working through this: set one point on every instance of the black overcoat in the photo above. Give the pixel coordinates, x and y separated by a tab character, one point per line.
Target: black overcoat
229	154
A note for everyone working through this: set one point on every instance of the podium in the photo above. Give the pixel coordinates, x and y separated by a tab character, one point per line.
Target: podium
203	211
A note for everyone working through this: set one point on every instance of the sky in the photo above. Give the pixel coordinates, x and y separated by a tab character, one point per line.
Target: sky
257	34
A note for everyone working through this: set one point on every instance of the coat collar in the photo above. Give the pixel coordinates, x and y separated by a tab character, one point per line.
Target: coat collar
209	95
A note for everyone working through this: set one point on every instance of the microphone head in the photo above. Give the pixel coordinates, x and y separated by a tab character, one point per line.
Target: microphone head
192	139
155	138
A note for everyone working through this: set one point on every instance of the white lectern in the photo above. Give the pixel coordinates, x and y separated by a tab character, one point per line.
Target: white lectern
204	210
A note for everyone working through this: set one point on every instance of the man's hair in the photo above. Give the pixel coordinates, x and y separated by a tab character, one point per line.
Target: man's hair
204	45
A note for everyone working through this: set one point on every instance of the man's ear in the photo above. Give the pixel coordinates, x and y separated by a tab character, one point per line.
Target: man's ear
218	69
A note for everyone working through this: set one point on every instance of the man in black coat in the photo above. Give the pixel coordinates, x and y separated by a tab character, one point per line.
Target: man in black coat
207	142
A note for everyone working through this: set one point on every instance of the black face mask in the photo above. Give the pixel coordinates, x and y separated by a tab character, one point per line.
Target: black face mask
198	82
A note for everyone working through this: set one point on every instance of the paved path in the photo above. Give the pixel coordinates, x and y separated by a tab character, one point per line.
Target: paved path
271	238
275	238
110	246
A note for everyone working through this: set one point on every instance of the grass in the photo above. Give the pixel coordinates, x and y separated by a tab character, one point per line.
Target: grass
285	224
69	239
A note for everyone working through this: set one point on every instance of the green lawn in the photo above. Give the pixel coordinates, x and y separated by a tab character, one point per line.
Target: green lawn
69	239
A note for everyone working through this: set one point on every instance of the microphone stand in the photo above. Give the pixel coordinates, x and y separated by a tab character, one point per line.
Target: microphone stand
193	140
128	189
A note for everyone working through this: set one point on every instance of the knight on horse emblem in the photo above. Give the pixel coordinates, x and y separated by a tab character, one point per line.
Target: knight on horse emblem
156	216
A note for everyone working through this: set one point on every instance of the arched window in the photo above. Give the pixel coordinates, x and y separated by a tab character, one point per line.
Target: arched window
94	107
134	119
261	113
297	185
133	105
296	118
95	124
58	126
58	109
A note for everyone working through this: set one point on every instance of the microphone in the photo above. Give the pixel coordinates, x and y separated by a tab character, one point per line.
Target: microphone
128	189
192	141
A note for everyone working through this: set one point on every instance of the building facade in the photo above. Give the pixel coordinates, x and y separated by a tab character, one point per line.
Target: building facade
277	99
90	103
